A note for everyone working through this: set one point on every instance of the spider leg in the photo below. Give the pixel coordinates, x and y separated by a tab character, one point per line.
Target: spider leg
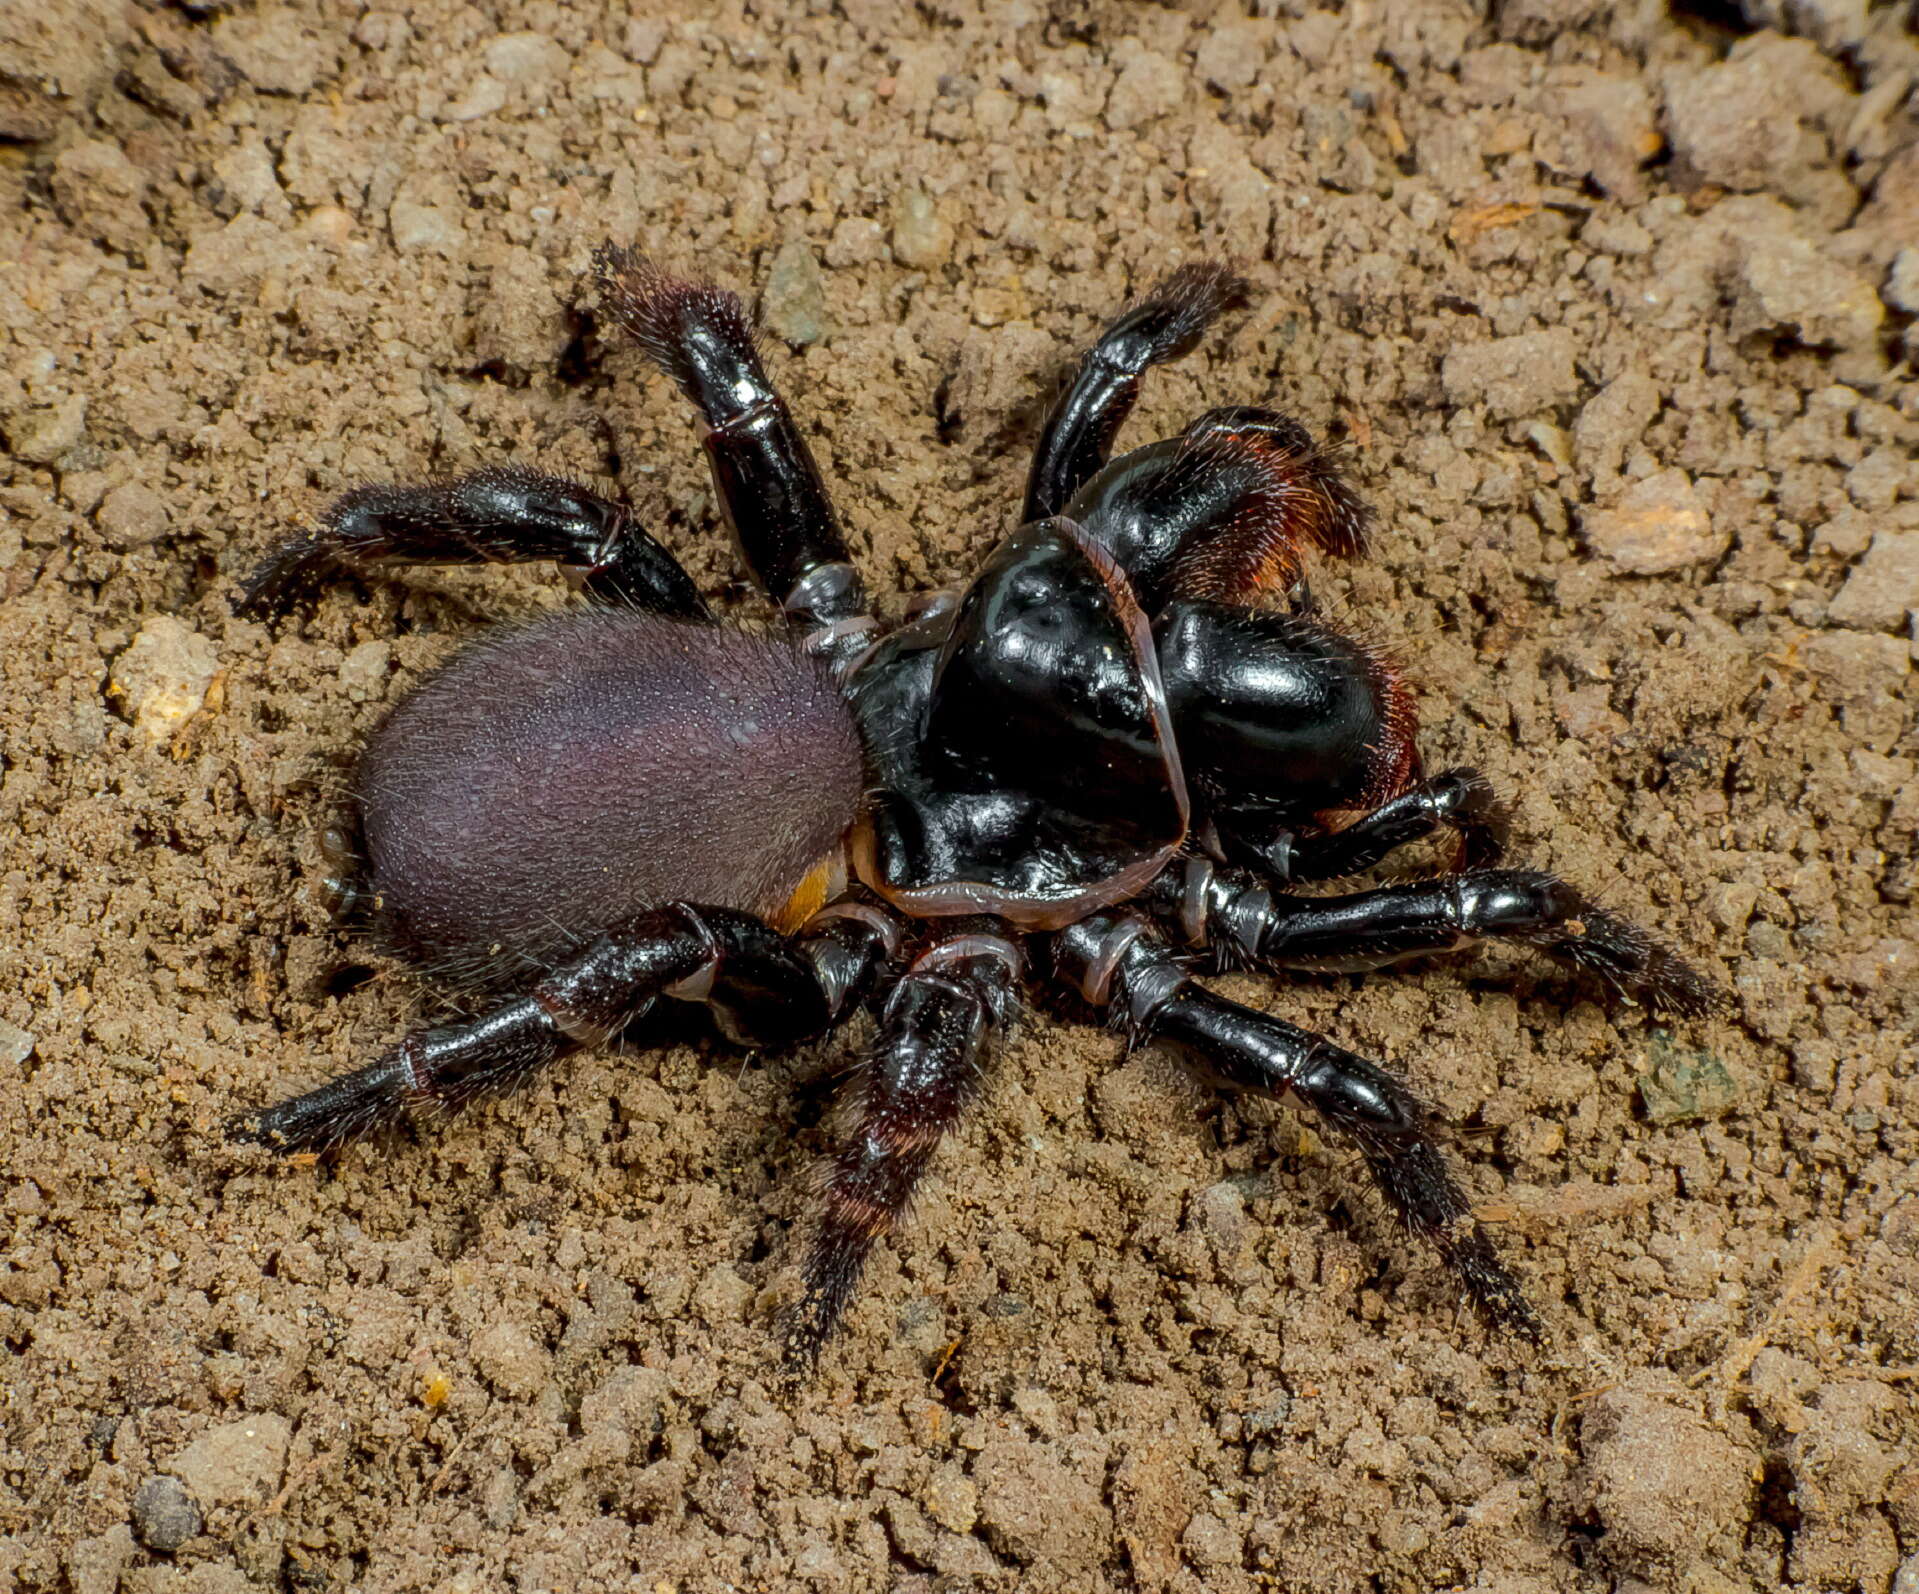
768	485
763	987
1460	800
500	515
1120	964
1234	912
935	1030
1084	419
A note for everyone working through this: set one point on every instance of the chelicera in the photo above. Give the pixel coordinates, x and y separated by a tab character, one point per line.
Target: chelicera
1105	764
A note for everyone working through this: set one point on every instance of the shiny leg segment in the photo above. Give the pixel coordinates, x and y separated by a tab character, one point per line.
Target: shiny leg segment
768	485
1460	800
1126	967
1234	913
501	515
1080	428
763	987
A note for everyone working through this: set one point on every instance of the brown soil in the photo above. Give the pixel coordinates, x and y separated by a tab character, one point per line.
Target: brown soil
1612	307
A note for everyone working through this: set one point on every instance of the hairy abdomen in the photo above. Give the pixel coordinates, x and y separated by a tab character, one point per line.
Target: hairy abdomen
549	783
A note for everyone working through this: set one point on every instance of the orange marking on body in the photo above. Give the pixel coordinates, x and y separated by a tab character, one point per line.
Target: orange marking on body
1296	502
1394	760
808	897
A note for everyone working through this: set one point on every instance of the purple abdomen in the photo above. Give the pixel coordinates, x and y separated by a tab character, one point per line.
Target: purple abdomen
551	782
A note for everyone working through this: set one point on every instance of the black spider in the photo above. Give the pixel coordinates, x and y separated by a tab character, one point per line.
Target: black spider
1106	761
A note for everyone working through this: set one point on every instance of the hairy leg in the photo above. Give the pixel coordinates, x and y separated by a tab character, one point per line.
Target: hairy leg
1084	419
1462	801
935	1031
1234	913
1121	964
769	487
763	987
501	515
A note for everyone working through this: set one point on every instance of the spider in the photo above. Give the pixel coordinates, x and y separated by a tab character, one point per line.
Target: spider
1102	767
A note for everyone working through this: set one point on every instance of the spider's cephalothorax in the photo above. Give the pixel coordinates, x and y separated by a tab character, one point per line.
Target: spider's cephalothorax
1107	761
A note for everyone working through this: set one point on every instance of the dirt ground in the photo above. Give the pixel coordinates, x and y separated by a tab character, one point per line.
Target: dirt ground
1610	304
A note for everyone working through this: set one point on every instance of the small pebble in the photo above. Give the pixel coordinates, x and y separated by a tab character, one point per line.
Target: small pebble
1848	534
1612	421
484	95
921	240
500	1499
1149	86
1665	1486
1738	123
1655	526
856	241
1212	1545
627	1401
1902	281
162	679
1609	128
1859	672
1883	587
722	1296
40	436
237	1463
425	229
1221	1212
234	259
16	1044
132	515
363	672
272	49
511	1361
524	57
1231	53
1520	375
95	1565
1784	282
244	179
164	1514
951	1499
1685	1087
100	191
794	303
1036	1505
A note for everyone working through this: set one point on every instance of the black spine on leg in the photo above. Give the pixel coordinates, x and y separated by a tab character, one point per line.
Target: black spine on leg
768	484
1122	964
501	515
761	987
935	1030
1080	428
